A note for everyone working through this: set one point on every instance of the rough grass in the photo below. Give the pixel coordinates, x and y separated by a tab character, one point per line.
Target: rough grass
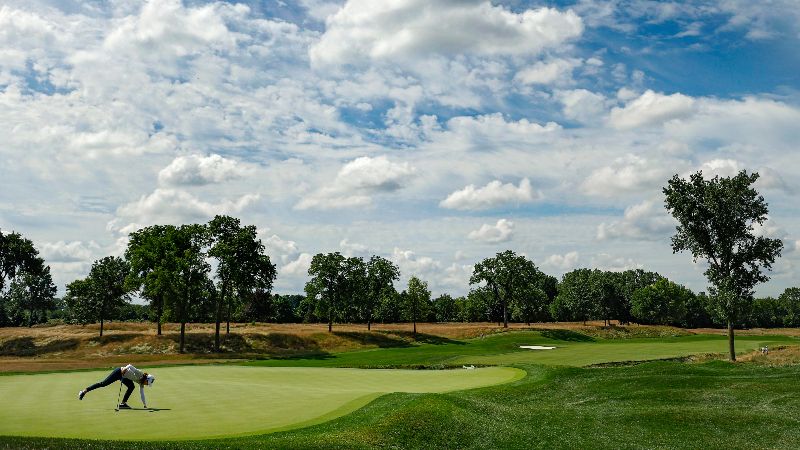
73	346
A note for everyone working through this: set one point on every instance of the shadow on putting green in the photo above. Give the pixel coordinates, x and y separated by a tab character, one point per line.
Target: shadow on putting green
145	409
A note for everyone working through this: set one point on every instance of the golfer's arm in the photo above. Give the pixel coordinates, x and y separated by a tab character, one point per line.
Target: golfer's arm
141	392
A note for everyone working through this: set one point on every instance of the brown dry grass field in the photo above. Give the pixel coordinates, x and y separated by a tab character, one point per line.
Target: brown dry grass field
63	347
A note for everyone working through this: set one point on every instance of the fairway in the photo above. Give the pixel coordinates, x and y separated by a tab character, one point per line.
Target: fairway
571	349
214	401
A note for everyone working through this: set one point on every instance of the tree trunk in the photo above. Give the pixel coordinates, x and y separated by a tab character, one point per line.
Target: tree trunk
505	315
183	330
219	315
369	324
330	317
228	326
159	313
101	326
415	327
730	341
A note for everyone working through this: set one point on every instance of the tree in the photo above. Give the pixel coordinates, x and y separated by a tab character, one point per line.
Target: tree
608	301
790	302
531	303
381	275
631	281
98	296
81	301
389	308
327	284
504	275
191	270
151	255
108	278
767	312
34	291
662	303
716	221
417	300
575	297
17	254
444	307
354	290
241	264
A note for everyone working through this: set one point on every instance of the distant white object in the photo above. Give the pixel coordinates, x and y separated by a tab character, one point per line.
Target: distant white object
536	347
469	367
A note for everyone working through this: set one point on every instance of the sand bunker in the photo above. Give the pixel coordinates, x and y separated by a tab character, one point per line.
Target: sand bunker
536	347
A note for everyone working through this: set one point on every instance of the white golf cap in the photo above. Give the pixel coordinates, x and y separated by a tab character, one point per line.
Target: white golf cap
150	379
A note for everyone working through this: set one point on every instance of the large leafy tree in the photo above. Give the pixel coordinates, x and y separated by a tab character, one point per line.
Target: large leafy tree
80	301
631	281
190	271
33	290
790	302
417	300
444	307
354	289
241	264
17	254
99	296
381	275
327	285
716	220
662	303
609	301
576	295
505	275
151	255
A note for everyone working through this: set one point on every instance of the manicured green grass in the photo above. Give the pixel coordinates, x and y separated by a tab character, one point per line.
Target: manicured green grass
572	349
665	404
652	405
212	401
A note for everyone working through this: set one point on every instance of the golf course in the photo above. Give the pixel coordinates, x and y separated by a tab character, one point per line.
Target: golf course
479	392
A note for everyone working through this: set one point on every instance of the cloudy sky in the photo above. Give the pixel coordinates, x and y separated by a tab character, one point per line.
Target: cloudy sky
434	133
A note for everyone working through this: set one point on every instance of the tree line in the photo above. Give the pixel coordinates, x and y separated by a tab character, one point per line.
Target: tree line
219	272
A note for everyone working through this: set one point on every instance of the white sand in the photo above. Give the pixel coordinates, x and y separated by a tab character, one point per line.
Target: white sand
536	347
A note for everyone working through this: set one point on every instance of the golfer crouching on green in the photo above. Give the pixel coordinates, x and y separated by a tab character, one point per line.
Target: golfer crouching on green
128	375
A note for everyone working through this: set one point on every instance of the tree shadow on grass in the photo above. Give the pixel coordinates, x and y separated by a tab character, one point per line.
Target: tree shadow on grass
424	338
380	339
114	338
321	355
566	335
26	346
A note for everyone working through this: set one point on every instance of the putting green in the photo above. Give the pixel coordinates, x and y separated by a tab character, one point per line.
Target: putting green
213	401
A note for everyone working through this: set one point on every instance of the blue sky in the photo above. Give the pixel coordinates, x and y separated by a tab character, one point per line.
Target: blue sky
432	133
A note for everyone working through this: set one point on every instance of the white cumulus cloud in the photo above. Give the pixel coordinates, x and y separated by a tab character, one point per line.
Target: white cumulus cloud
176	206
502	231
566	261
628	174
651	108
556	71
357	181
199	170
365	30
492	195
647	220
